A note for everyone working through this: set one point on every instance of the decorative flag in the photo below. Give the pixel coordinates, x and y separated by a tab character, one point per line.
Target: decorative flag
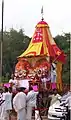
61	57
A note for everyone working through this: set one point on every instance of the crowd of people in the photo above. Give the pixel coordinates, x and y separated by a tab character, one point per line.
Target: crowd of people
22	99
23	102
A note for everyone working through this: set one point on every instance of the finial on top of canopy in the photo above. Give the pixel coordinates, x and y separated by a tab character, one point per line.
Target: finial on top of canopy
42	13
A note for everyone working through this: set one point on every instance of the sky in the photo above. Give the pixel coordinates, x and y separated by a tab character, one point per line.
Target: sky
27	13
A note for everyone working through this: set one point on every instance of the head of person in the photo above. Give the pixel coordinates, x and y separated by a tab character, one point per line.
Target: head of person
21	89
55	91
10	89
5	89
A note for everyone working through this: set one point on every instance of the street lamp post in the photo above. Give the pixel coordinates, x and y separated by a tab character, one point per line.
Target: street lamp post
1	42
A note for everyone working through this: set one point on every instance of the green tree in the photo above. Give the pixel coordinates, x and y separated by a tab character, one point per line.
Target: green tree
14	43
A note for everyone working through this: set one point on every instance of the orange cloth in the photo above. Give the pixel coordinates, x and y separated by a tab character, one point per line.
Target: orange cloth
59	76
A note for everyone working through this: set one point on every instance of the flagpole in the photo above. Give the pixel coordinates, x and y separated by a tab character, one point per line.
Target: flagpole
42	13
1	42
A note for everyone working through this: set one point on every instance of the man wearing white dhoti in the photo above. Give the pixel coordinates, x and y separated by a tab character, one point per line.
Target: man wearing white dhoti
31	102
19	104
6	105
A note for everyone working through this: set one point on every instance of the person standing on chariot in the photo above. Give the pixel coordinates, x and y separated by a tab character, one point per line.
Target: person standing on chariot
53	75
45	78
13	83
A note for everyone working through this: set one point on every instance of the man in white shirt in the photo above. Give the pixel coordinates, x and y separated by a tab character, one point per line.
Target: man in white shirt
19	104
31	102
6	105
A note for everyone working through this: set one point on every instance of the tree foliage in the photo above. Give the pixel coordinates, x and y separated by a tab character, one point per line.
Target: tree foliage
14	43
